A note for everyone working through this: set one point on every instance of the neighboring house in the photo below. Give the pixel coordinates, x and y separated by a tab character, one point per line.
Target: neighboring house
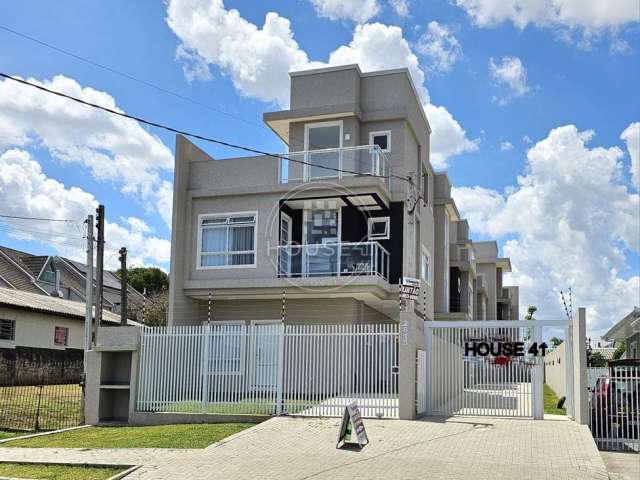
59	277
247	231
494	300
627	329
37	330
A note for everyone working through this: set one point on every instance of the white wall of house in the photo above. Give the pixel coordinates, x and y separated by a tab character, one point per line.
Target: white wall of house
36	330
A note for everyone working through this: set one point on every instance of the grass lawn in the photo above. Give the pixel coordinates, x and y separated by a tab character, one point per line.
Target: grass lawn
247	406
161	436
550	402
56	472
59	407
4	434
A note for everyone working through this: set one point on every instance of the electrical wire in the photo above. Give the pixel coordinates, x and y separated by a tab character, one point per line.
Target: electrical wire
130	77
197	136
16	217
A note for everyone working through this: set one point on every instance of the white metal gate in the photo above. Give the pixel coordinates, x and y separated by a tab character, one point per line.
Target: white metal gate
468	374
269	368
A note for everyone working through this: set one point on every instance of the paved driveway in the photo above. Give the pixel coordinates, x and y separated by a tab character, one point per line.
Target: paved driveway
303	448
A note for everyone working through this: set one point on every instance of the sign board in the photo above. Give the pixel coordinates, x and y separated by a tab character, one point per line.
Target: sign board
352	423
409	288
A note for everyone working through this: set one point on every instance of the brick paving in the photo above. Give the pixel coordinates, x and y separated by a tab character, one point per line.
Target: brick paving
303	448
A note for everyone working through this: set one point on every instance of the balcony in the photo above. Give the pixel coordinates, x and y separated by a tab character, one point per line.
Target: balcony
335	163
333	260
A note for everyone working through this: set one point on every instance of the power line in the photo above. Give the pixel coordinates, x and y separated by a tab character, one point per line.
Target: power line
129	77
16	217
197	136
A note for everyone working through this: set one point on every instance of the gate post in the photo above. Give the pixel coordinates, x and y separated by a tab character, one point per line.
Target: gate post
428	384
580	400
281	329
411	340
538	378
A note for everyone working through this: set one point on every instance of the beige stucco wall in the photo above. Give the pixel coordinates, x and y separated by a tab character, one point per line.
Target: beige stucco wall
555	370
36	330
298	311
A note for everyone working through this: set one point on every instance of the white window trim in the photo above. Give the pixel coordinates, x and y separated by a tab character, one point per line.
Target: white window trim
309	126
226	214
371	221
426	252
381	132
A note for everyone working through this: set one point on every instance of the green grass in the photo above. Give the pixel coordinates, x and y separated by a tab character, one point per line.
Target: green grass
59	407
4	434
56	472
551	402
247	406
162	436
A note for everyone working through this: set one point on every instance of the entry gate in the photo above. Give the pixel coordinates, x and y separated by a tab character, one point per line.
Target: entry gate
468	372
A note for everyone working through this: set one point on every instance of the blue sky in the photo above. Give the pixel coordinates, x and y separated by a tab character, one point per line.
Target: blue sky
576	69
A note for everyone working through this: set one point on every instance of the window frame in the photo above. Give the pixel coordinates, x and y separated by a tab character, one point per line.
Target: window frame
310	125
424	252
371	221
13	330
226	215
66	336
380	133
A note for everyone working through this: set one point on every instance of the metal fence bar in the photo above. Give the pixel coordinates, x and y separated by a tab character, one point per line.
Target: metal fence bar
269	368
614	406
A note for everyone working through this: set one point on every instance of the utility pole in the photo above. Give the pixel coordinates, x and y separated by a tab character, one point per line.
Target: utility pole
88	323
123	286
99	269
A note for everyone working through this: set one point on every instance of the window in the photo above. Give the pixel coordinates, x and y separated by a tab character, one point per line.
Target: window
425	266
227	241
61	336
378	228
226	348
425	187
7	329
381	139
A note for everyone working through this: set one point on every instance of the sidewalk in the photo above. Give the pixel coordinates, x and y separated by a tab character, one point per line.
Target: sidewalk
302	448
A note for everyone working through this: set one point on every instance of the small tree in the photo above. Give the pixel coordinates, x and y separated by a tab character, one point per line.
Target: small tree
555	341
531	309
155	311
595	359
619	351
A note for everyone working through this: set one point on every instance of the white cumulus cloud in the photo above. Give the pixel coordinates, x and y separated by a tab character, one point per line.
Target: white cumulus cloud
258	60
25	190
569	221
356	10
509	72
631	136
506	146
113	149
588	18
440	46
401	7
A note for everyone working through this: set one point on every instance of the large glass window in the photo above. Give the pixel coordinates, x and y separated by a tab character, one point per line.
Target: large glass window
323	142
227	240
7	329
226	348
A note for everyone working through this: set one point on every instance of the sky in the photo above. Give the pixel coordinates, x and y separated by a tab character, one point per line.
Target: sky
533	106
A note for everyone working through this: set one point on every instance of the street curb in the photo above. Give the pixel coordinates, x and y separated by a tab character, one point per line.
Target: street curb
33	435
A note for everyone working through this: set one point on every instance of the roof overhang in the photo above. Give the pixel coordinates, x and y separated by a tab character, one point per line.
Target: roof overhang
365	202
281	121
626	327
504	263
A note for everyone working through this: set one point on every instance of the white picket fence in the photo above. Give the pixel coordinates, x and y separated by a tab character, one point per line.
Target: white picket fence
614	409
593	373
421	382
269	368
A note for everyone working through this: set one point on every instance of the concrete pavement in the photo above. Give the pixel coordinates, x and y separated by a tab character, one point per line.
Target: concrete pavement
304	448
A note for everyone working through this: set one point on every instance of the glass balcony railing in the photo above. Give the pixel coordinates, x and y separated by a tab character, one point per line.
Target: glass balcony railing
333	260
335	163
